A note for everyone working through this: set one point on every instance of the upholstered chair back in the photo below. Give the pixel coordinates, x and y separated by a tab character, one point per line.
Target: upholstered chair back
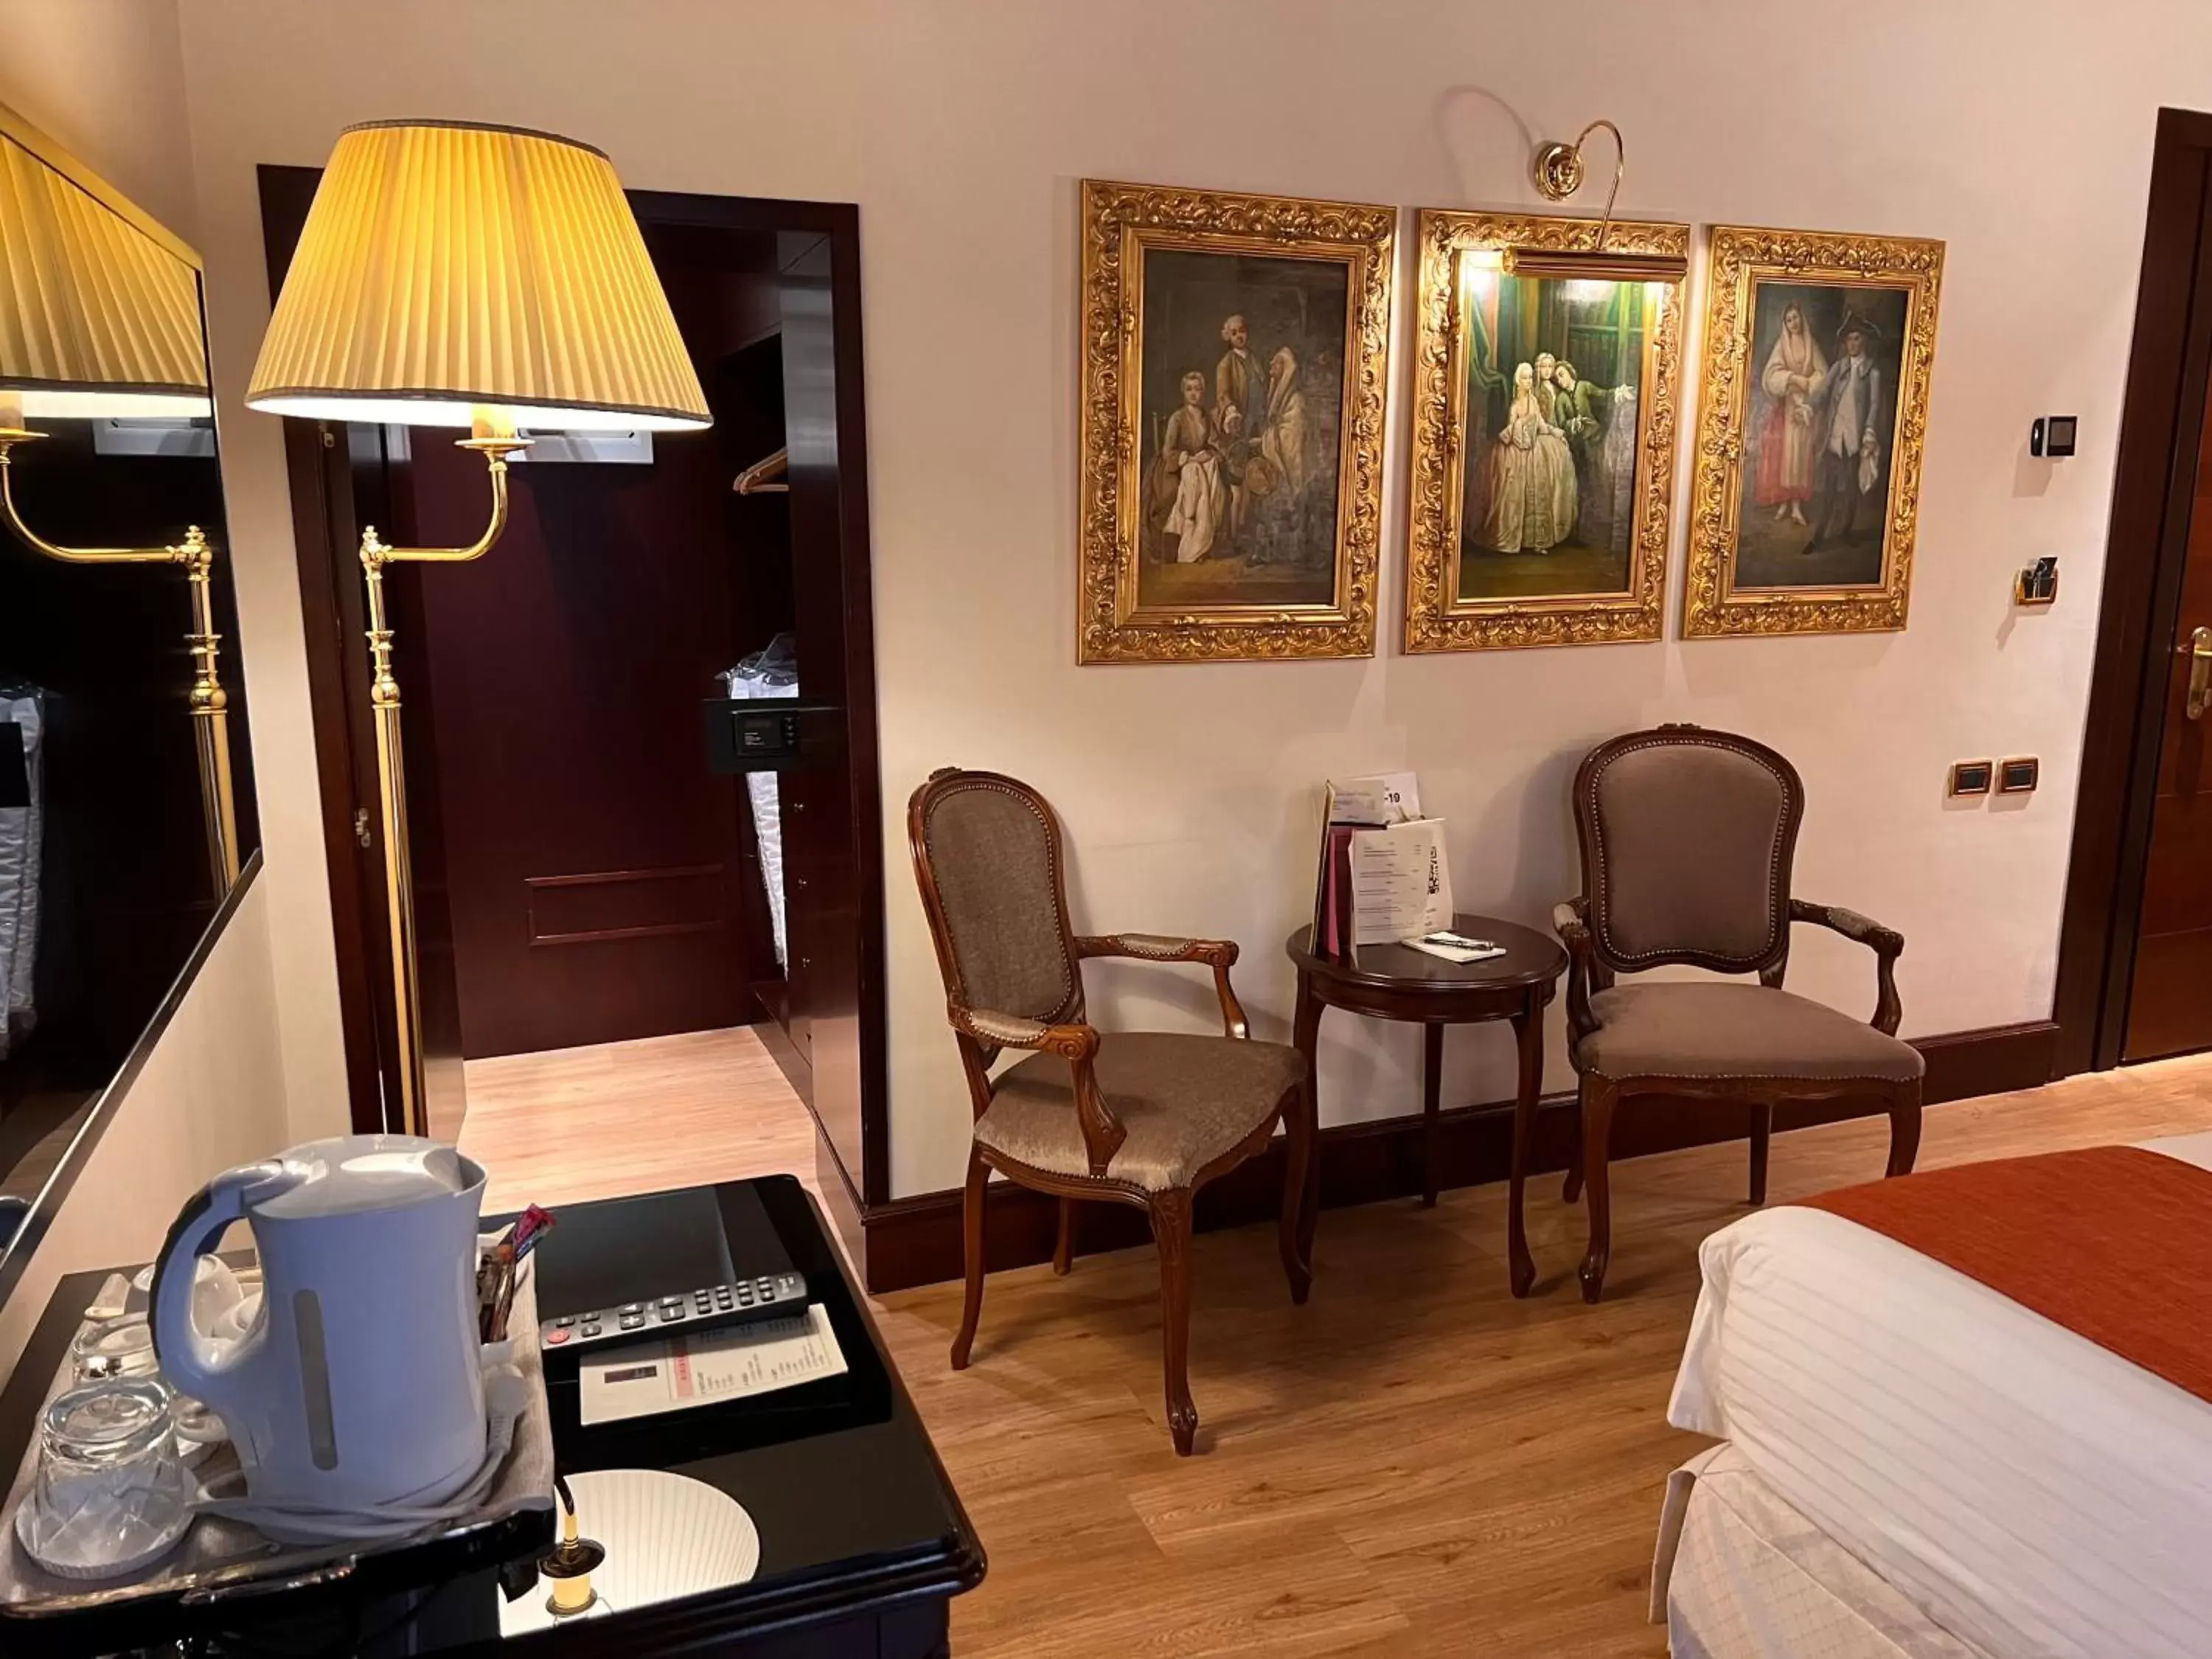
987	851
1686	841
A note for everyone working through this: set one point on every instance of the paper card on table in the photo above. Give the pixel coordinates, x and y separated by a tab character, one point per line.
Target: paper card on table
1400	885
1386	797
677	1373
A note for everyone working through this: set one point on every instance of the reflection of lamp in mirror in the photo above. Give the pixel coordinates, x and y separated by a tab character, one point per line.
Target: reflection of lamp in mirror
1558	172
100	318
461	276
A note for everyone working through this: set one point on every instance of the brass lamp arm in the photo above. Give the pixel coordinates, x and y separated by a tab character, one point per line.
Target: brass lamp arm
495	450
193	549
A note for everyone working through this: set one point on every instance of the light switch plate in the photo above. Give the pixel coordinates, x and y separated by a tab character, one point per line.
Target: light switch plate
1972	777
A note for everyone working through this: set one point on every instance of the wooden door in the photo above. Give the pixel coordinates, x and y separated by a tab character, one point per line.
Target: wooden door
592	855
2170	1002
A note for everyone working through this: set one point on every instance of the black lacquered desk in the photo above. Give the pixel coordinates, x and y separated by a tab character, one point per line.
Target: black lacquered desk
863	1540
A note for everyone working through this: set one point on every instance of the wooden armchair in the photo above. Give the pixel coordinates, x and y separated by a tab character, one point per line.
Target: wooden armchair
1138	1118
1687	837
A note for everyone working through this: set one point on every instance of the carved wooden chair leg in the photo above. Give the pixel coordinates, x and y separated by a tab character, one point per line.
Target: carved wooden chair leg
971	1215
1904	1128
1063	1253
1171	1231
1572	1191
1762	1135
1599	1095
1298	1148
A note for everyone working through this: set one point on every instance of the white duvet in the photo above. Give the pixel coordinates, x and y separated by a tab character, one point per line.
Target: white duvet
2033	1492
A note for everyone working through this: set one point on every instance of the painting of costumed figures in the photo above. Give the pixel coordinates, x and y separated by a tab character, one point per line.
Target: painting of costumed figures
1814	502
1241	401
1555	381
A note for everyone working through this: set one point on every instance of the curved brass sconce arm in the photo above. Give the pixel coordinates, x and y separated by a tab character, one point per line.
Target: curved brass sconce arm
209	703
1559	171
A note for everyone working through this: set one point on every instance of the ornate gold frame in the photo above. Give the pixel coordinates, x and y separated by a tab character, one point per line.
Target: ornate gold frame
1437	618
1120	223
1741	257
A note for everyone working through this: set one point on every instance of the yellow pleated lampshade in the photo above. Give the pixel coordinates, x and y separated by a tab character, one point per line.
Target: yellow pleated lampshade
96	319
446	267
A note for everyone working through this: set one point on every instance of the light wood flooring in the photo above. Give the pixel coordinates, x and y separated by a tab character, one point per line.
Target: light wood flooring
620	1118
1413	1464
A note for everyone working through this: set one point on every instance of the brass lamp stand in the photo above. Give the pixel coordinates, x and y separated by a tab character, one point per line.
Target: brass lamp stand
210	703
492	437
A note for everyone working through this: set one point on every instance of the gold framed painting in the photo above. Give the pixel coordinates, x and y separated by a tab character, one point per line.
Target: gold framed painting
1818	347
1543	451
1233	354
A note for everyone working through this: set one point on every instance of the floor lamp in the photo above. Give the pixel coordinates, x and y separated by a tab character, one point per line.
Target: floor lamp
99	321
454	275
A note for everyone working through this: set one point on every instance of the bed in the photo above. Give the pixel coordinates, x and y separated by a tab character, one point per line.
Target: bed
1913	1463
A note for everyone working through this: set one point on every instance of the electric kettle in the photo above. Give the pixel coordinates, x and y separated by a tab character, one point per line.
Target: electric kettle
359	1383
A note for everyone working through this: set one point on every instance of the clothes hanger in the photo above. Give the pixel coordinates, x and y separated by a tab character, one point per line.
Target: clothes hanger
755	480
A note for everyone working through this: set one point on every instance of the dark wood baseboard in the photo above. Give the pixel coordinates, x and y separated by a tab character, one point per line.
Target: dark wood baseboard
1994	1061
916	1240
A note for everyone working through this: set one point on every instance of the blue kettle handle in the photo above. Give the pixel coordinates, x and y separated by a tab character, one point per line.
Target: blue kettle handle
188	1359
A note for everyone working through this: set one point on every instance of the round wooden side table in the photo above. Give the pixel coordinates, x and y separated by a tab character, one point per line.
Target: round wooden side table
1395	982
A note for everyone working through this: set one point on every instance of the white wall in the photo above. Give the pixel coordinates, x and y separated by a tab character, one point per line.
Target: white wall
106	78
2018	131
211	1095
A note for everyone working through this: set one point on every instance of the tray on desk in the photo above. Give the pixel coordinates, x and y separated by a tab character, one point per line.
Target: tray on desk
219	1564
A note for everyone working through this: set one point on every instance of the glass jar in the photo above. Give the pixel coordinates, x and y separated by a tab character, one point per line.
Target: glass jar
111	1494
115	1350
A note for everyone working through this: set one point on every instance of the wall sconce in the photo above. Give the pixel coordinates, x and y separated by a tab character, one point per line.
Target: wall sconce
1558	172
100	320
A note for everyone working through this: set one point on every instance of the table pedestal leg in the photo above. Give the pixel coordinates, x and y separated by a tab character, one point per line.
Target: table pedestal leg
1529	1035
1432	1069
1306	1037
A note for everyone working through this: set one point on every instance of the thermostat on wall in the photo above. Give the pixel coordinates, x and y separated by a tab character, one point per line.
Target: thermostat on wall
2052	435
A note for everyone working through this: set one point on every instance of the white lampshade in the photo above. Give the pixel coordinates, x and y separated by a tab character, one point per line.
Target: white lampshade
97	319
448	269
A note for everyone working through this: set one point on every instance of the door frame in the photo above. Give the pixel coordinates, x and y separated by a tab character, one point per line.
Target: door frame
332	490
2161	427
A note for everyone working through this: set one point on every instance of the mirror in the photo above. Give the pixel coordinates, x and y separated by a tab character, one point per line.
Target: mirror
127	821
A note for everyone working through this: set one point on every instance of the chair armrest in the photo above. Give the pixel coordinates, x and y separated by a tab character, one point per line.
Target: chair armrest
1218	954
1103	1131
1569	922
1886	944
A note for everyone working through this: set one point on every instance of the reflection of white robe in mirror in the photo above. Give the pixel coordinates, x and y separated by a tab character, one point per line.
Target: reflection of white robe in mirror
22	837
1201	499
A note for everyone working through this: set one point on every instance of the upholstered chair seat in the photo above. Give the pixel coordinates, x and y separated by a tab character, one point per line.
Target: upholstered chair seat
1687	837
1704	1031
1187	1101
1142	1118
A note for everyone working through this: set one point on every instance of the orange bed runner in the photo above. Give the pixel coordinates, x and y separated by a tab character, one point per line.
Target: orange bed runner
2113	1242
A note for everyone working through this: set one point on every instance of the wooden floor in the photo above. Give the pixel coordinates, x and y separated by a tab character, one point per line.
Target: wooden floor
632	1117
1413	1464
